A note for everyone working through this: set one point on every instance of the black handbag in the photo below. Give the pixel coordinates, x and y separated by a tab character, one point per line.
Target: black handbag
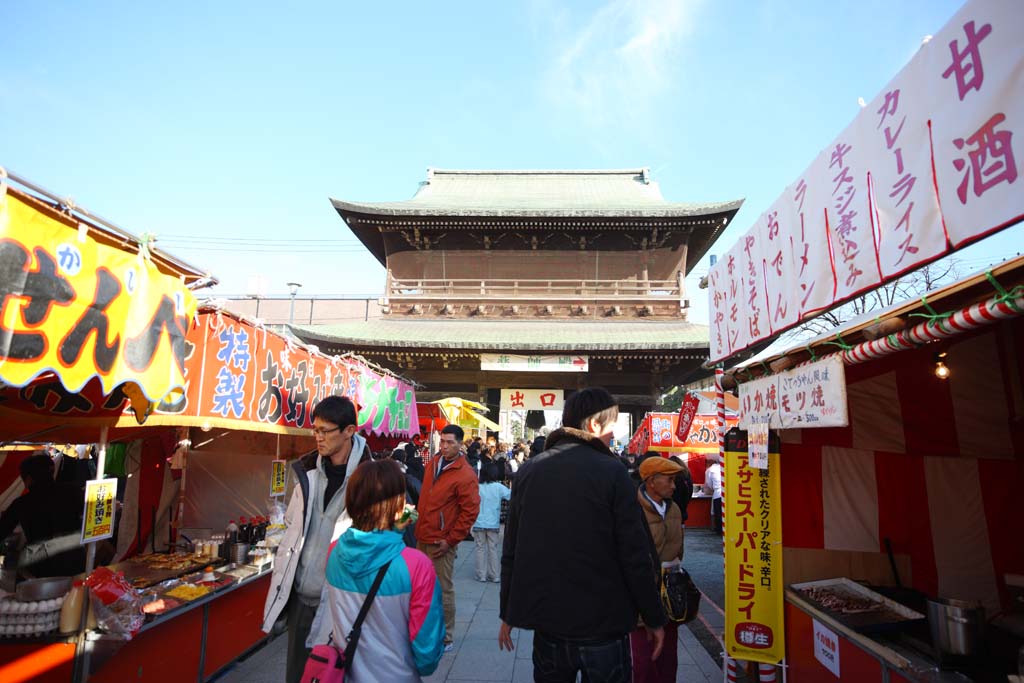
679	595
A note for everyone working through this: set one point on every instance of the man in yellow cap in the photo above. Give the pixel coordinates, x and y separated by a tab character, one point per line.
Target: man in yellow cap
665	520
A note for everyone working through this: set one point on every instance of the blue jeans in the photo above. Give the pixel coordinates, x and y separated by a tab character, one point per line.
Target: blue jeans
557	661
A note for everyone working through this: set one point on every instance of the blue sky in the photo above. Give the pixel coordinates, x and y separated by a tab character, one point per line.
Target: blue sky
233	120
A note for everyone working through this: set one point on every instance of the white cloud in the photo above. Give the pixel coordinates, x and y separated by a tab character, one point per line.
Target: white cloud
610	68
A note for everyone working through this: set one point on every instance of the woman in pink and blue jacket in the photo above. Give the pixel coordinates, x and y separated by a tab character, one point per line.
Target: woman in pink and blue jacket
402	637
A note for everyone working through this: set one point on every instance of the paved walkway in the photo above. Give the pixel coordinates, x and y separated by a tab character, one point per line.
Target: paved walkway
476	656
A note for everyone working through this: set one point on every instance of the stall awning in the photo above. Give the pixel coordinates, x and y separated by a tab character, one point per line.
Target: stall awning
87	321
244	376
467	414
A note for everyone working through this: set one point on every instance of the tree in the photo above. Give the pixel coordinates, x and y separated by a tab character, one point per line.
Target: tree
911	286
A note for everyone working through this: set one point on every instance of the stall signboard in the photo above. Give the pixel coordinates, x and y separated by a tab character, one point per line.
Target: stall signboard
687	411
927	167
812	395
659	431
826	648
278	477
532	399
241	376
754	627
98	518
76	309
510	362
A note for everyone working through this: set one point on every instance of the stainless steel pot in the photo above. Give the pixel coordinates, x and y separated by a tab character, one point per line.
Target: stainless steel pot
238	552
42	589
957	626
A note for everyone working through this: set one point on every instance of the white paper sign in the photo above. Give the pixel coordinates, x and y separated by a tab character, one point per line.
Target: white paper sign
511	362
826	648
757	446
812	395
868	209
532	399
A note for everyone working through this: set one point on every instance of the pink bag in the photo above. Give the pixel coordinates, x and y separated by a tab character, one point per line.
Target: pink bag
326	664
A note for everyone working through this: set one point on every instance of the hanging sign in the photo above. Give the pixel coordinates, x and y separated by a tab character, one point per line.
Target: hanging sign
80	309
510	362
278	477
239	373
687	411
929	166
754	628
532	399
98	519
757	445
812	395
826	648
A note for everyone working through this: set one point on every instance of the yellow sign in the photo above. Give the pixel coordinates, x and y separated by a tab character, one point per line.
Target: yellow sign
754	627
278	478
80	308
98	520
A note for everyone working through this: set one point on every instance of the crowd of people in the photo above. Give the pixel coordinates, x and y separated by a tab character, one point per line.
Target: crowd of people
587	535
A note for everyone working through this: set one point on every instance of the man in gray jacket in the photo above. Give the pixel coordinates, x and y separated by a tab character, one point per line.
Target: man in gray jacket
315	518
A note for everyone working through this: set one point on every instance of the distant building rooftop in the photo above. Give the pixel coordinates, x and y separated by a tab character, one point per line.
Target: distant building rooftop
622	193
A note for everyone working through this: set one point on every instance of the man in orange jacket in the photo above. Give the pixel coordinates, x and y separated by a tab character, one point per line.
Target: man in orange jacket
449	504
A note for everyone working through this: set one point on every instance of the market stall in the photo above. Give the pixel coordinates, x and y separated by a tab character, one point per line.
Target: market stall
915	498
658	432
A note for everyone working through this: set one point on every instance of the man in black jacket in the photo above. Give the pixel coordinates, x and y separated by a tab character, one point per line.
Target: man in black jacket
576	565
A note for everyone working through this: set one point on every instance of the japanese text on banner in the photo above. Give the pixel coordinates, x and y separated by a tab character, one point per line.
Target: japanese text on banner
753	554
278	477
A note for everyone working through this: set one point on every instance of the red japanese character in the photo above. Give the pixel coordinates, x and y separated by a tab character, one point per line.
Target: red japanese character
987	142
889	106
967	63
547	400
517	400
836	159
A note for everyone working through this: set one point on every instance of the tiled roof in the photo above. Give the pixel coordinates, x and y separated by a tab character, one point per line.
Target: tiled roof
624	193
485	335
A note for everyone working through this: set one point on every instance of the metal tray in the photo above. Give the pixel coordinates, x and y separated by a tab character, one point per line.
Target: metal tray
891	616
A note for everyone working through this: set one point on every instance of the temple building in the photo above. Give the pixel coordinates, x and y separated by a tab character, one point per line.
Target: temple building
507	279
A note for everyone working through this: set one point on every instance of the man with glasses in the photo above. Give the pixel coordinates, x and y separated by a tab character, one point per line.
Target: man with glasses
315	517
449	504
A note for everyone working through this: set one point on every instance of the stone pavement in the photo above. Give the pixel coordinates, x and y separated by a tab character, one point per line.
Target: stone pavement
476	656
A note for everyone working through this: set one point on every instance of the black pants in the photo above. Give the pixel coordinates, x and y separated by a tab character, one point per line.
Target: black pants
716	515
300	620
558	661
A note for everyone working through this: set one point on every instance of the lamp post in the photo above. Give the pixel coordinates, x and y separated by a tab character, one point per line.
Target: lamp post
293	289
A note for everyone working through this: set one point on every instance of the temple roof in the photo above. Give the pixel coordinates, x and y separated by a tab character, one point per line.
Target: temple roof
622	193
518	335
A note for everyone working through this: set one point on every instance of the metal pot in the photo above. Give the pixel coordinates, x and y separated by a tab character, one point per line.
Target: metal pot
238	552
957	626
42	589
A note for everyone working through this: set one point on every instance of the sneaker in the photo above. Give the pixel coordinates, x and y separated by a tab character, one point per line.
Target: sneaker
495	580
448	647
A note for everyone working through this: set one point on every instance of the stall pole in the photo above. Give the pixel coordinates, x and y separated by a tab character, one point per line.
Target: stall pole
766	673
82	648
731	667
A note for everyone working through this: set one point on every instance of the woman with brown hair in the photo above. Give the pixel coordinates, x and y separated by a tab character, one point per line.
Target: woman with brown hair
402	637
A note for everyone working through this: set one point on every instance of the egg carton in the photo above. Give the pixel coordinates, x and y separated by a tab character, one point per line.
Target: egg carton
38	628
8	606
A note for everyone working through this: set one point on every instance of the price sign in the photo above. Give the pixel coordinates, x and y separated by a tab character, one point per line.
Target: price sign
757	446
98	520
278	477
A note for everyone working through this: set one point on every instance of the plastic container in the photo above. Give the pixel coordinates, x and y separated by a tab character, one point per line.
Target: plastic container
71	610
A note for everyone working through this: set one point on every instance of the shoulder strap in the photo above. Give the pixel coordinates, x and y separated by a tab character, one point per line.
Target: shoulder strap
357	627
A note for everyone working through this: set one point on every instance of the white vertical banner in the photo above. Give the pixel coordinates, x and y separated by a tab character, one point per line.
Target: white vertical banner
752	255
811	254
908	224
975	75
854	259
780	273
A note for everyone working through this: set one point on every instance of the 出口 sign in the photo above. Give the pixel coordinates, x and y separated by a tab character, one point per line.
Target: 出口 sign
927	167
510	362
812	395
532	399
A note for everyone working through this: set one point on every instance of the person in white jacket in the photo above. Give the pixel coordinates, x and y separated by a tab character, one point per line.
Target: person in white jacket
315	518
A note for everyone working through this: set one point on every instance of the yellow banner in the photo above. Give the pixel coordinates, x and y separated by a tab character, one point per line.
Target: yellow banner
98	520
754	627
79	308
278	477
